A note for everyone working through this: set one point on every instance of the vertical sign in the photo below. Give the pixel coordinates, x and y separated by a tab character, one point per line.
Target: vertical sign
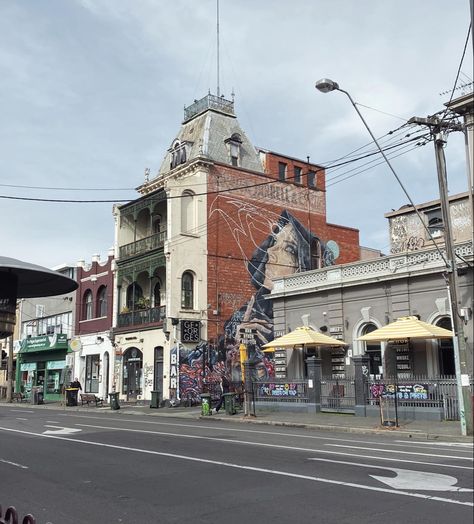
174	373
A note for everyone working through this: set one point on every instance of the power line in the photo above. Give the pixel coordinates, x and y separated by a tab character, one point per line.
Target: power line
248	186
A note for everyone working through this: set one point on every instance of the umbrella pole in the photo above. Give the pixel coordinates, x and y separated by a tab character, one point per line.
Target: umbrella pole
396	402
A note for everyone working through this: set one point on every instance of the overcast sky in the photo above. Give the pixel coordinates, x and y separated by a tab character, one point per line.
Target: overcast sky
92	93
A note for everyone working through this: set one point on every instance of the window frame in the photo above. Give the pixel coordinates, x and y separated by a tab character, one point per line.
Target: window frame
282	170
102	301
187	293
88	305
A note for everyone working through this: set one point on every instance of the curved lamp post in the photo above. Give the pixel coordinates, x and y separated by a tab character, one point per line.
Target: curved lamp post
326	85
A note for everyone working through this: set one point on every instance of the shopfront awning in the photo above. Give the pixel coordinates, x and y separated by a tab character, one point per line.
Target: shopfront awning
407	328
303	336
44	343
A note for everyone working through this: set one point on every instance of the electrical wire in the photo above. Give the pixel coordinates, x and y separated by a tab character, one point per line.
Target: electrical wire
458	72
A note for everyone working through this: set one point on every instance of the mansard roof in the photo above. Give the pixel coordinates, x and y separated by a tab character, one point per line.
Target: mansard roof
209	125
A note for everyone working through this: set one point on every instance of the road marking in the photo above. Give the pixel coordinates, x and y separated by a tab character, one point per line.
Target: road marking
52	422
467	445
256	431
20	418
248	468
21	411
404	452
13	464
60	430
267	445
408	478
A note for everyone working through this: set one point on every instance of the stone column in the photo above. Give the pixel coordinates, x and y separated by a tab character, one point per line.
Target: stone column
361	379
314	382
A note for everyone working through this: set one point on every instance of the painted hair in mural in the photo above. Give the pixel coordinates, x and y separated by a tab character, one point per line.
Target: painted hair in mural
288	248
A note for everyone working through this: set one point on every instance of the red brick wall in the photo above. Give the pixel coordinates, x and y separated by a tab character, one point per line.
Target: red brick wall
104	278
239	221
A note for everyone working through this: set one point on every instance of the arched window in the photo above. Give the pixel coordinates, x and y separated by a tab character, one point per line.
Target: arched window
178	154
372	349
187	290
102	302
87	302
157	295
315	254
446	350
187	212
134	293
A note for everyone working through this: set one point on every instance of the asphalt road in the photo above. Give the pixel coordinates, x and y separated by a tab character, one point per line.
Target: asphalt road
104	468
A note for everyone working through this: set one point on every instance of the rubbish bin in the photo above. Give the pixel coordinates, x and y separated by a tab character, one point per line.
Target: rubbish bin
114	400
36	395
155	399
229	403
71	396
206	404
40	396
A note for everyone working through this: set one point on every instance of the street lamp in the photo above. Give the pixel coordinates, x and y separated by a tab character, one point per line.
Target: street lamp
326	85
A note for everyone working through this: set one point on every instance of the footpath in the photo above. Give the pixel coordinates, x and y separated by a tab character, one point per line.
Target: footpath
334	422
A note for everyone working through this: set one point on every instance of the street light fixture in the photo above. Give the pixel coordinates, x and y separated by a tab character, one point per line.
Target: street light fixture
326	85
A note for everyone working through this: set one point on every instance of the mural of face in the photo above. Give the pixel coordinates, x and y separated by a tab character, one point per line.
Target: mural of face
282	256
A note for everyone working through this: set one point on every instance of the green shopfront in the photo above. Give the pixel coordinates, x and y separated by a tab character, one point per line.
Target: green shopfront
41	362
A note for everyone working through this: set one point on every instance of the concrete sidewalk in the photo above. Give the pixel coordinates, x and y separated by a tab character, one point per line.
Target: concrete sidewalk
423	430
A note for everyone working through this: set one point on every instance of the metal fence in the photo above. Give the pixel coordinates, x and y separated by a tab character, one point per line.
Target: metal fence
295	391
338	394
11	517
418	392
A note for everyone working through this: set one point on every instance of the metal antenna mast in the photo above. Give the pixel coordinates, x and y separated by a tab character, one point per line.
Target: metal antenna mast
218	87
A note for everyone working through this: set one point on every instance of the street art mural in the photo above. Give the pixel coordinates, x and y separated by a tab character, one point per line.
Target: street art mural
287	247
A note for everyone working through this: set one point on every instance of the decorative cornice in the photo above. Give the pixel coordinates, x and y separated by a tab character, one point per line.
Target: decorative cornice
364	272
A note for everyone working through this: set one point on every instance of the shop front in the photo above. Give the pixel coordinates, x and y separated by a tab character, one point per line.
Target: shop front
41	363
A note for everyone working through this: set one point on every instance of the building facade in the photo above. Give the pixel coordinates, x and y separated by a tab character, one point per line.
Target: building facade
46	327
92	346
354	299
199	249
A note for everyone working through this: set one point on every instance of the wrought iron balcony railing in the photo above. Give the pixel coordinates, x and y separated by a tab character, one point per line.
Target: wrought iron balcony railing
153	315
143	245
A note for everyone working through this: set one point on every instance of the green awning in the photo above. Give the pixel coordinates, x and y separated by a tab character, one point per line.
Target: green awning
44	343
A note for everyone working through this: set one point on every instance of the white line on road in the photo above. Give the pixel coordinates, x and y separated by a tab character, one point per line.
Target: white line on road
256	431
20	418
467	445
249	468
22	411
409	479
264	444
52	422
404	452
13	464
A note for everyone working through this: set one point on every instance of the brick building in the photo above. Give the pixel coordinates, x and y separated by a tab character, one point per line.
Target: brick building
198	250
93	353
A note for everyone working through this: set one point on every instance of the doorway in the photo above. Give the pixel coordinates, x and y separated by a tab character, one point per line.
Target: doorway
158	375
132	373
446	350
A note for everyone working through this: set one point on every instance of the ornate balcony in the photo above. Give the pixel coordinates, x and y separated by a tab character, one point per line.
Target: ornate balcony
139	317
144	245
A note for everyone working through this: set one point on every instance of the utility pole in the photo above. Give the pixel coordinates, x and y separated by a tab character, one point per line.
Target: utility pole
437	127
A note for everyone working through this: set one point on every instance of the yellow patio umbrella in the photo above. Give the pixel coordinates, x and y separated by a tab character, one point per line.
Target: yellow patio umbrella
302	336
407	328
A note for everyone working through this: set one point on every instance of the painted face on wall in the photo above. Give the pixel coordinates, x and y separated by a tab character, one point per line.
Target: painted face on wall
282	256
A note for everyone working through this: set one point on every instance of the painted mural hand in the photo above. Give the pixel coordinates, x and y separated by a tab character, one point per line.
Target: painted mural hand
250	320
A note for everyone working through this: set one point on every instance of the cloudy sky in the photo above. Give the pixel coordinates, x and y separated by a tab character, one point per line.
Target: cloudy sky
92	93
